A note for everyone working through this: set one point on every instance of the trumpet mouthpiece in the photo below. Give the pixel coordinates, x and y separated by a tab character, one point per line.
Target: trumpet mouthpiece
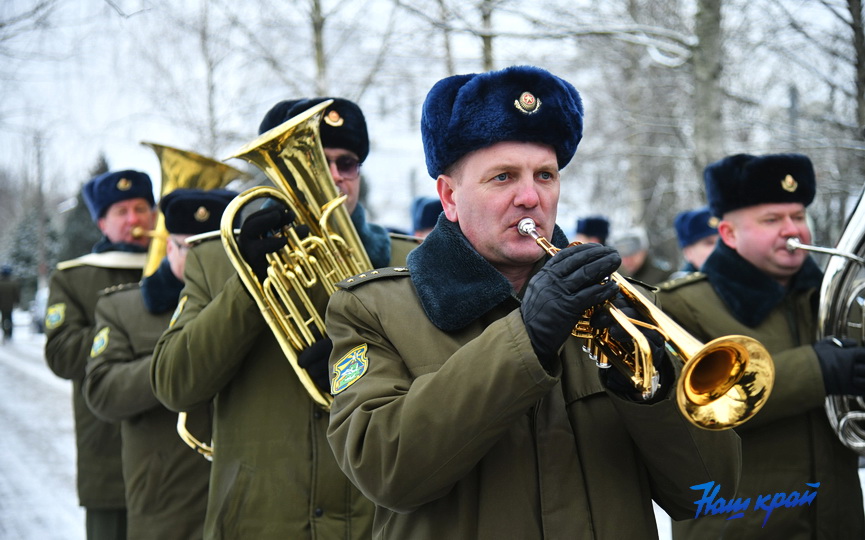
793	244
526	226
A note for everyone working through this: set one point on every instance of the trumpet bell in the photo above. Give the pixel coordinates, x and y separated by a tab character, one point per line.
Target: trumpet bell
725	383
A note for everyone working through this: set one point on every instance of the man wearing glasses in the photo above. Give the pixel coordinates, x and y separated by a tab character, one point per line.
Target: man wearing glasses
273	473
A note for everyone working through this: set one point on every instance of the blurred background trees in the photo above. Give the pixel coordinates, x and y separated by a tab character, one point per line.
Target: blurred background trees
668	87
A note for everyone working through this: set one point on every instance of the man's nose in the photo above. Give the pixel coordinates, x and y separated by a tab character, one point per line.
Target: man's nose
527	195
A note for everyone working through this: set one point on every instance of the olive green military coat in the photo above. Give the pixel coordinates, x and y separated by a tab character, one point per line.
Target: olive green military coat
788	443
463	435
273	474
70	325
166	480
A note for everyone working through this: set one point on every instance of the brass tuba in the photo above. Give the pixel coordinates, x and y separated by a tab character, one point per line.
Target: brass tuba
182	169
842	314
723	383
304	274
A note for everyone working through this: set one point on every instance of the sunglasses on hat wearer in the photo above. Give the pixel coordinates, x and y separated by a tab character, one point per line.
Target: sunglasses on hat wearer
347	166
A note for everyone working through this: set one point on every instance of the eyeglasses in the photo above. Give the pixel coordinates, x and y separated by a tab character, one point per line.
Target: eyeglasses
347	166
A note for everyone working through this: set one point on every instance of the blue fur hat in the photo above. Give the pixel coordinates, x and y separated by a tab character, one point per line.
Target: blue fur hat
744	180
464	113
597	226
426	211
695	225
194	211
111	187
342	126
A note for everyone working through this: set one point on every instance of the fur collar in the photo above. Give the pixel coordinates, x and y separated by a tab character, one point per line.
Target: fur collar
749	293
161	289
104	244
454	283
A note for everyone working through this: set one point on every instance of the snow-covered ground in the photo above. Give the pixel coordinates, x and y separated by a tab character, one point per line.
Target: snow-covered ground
37	446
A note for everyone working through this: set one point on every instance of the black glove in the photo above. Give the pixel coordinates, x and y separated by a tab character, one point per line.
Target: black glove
613	378
256	239
843	365
314	359
560	293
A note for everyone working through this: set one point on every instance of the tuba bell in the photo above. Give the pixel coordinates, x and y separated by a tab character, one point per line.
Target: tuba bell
723	383
182	169
842	314
304	273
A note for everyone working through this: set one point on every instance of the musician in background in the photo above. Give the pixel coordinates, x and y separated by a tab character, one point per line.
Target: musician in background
273	475
637	262
425	213
120	202
595	229
461	405
697	233
10	297
753	285
166	481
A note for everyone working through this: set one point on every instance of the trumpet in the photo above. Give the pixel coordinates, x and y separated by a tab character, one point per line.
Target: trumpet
141	232
723	383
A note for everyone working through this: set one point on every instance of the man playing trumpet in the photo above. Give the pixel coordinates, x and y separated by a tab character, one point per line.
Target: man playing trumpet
463	409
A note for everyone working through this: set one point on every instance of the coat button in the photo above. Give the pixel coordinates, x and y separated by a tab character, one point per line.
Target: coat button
318	512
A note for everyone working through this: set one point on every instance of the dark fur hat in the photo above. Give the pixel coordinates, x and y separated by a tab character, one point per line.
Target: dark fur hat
597	226
342	126
694	225
464	113
194	211
426	212
111	187
744	180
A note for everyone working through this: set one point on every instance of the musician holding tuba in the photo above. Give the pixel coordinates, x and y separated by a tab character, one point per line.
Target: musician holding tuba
753	285
462	405
166	482
273	474
120	202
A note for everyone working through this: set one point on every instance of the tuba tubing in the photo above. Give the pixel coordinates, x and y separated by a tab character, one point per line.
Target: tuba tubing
723	383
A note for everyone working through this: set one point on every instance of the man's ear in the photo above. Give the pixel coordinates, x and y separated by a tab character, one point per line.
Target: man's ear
445	187
727	232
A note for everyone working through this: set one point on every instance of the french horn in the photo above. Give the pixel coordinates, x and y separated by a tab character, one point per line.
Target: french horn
723	383
842	314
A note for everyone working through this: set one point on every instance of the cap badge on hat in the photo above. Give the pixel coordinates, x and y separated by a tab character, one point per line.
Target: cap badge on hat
201	215
334	119
528	103
789	184
124	184
713	222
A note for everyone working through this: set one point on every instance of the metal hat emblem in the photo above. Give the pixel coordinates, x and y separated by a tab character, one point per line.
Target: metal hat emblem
713	222
334	119
789	184
528	103
124	184
201	215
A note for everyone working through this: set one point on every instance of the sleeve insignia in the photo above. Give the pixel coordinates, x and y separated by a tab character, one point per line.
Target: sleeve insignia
100	341
178	310
55	315
349	369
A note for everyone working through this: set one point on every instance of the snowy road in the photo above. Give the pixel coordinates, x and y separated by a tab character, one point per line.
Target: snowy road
37	445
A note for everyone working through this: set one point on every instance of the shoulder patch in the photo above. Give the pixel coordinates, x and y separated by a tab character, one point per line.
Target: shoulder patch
372	275
673	284
348	369
100	341
55	315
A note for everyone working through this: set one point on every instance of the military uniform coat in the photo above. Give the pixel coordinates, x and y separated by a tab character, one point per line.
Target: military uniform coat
166	480
455	430
788	443
273	474
70	326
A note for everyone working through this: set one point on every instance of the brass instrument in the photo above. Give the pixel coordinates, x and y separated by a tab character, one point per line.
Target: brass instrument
182	169
305	272
187	170
842	314
723	383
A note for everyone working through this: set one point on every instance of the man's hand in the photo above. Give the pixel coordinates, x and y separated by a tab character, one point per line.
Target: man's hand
256	239
843	365
556	298
314	359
